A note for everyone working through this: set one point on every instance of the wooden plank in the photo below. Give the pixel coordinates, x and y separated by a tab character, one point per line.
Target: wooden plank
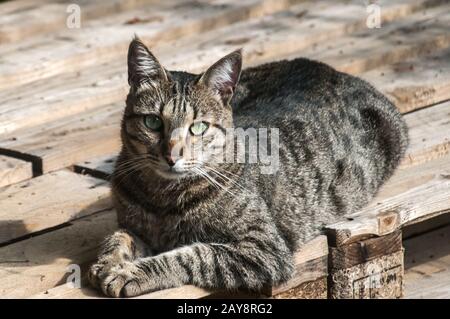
429	134
371	268
371	48
70	49
25	20
48	99
48	201
315	249
39	263
414	84
62	143
8	7
361	252
407	177
68	292
13	170
316	289
427	265
379	278
302	27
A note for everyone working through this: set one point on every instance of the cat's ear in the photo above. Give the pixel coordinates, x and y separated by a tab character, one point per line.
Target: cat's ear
143	67
223	76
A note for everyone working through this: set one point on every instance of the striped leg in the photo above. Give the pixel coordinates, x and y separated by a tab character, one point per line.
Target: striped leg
245	265
120	247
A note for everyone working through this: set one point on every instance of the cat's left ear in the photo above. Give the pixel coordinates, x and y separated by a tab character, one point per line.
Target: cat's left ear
143	67
223	76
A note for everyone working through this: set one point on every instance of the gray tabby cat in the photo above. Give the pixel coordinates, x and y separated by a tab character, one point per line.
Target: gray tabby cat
190	219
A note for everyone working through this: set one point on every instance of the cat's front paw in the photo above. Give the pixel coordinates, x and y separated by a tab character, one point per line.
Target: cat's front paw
120	280
97	270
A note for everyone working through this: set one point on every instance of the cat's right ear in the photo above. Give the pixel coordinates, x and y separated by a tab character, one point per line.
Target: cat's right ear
143	68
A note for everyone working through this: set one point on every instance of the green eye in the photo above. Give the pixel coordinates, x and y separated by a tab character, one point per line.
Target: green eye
153	122
198	128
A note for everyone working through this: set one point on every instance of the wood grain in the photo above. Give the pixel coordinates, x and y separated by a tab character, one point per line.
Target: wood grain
409	37
407	177
363	251
429	132
39	263
49	200
64	142
414	84
99	41
25	20
13	170
427	265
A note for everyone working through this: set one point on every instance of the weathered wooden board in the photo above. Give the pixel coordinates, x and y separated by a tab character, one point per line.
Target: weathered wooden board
48	201
418	34
86	292
25	19
10	7
407	177
36	264
296	30
414	84
314	250
13	170
102	84
427	265
63	142
429	131
371	268
379	278
316	289
70	49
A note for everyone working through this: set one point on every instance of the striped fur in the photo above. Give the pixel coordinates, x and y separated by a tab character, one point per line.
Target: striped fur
340	139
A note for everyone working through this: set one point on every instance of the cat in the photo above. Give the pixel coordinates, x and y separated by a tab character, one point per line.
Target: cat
188	218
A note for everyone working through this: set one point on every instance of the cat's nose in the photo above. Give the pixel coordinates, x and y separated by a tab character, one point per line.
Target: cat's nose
169	160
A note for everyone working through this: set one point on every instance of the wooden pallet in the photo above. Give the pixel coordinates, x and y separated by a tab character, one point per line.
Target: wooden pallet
62	96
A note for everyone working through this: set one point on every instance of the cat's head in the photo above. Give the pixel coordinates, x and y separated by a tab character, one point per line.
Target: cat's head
175	122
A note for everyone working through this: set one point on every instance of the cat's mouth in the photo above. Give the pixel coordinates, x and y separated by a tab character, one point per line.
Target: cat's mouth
175	172
171	173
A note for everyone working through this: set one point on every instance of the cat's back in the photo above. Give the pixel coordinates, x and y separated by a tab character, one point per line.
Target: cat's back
340	138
